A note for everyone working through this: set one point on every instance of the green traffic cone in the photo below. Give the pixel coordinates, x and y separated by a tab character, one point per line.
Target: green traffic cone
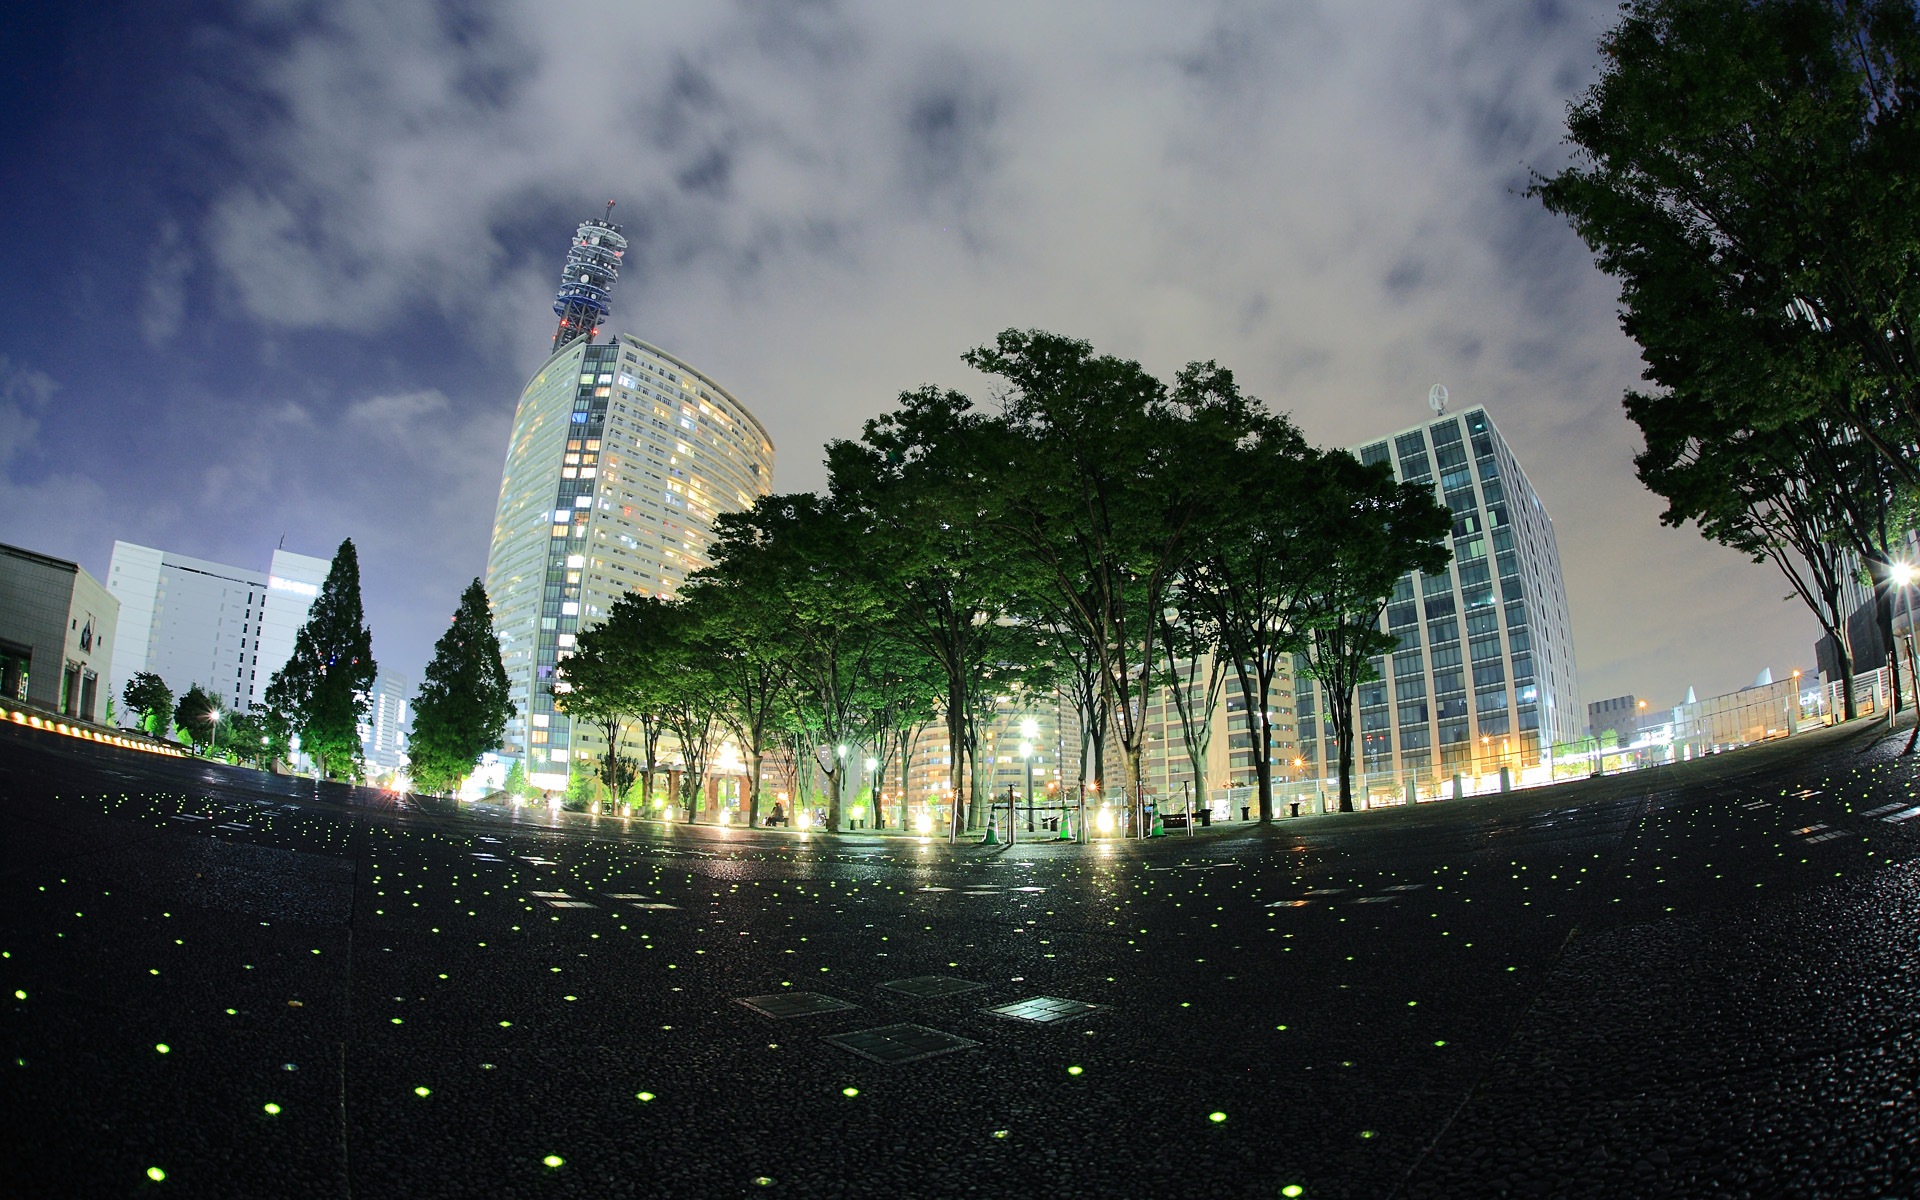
1065	836
991	838
1159	827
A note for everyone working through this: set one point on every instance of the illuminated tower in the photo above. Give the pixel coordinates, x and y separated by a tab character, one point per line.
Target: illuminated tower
586	283
621	455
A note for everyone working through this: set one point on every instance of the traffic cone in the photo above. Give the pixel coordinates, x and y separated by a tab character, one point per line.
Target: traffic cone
1159	826
1065	835
991	838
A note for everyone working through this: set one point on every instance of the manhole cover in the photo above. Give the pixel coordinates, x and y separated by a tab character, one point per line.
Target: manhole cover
782	1005
1044	1010
900	1043
931	987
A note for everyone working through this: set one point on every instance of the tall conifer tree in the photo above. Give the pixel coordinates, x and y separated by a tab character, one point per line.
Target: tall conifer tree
321	693
462	709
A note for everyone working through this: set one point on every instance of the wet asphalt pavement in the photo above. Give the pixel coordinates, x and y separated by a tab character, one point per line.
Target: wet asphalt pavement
1699	981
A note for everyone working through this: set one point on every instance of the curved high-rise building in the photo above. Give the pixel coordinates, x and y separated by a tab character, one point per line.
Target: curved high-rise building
621	456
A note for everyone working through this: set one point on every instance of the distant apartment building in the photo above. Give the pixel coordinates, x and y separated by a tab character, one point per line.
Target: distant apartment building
57	635
1483	676
1044	725
191	621
1229	764
383	732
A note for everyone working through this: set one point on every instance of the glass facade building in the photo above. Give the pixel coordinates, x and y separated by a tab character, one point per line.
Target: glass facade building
621	456
1483	676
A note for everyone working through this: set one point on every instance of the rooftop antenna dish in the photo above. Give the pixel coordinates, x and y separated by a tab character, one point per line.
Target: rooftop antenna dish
1437	399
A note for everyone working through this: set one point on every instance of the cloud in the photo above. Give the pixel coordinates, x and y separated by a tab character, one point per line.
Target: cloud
165	300
24	391
827	202
25	517
397	416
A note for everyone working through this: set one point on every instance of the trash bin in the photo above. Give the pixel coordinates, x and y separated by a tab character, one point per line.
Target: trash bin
1244	810
1295	806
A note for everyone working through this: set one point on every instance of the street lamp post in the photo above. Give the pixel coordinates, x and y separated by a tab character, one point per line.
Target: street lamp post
1029	730
1026	781
834	815
1903	574
873	765
213	730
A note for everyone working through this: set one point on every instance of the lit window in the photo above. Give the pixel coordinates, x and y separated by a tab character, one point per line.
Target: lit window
569	608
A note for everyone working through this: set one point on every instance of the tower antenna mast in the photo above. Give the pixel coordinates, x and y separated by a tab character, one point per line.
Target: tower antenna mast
586	282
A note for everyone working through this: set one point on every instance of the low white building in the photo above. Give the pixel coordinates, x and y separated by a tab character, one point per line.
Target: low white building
191	621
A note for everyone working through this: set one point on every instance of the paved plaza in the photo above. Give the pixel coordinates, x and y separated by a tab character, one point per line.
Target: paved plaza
1696	981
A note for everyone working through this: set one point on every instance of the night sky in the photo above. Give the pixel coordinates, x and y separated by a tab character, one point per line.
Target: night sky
278	268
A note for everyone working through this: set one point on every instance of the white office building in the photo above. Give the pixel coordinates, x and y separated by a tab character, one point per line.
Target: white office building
191	621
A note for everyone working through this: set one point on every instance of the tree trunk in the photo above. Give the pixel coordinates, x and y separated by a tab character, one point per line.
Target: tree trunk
956	737
1845	655
754	760
1343	736
908	738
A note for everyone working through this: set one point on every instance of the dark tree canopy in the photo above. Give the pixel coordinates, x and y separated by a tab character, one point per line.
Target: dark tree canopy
462	709
1747	169
198	716
1100	533
148	695
321	693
